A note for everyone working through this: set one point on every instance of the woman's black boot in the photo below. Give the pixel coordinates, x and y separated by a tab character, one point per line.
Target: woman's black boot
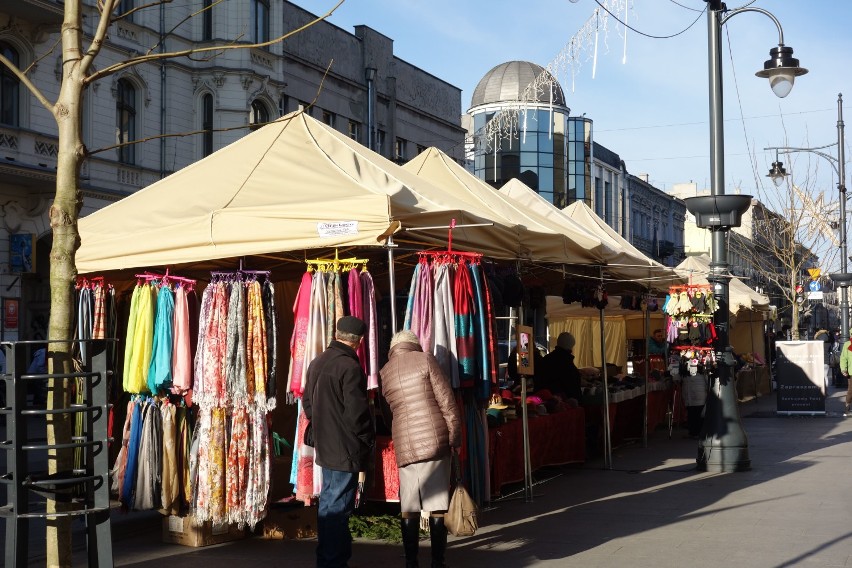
438	533
410	540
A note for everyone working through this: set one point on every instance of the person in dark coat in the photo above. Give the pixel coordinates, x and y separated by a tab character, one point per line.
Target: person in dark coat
558	372
335	401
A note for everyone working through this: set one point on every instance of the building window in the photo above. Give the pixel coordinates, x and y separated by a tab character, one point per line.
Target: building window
207	123
304	107
355	130
328	118
259	115
420	149
207	21
261	20
10	88
125	112
399	150
381	136
124	6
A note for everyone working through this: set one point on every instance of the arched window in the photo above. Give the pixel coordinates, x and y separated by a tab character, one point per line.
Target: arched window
259	115
10	88
207	123
125	128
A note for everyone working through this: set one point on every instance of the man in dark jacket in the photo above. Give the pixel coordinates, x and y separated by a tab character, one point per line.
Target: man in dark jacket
558	372
335	401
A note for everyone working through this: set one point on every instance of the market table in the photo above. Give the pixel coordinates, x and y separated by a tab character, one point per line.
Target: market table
626	415
555	439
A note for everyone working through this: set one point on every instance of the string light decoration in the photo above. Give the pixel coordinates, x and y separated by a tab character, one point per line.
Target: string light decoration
510	122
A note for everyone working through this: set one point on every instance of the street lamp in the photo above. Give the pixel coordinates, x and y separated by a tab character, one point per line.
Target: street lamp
723	446
777	173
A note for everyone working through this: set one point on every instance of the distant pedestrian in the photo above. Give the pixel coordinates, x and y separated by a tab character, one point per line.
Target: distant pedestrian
694	397
845	369
424	418
335	401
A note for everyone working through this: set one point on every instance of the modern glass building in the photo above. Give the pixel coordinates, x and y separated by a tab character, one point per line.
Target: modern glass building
537	142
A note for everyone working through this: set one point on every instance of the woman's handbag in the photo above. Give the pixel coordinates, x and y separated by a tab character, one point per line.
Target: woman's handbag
462	518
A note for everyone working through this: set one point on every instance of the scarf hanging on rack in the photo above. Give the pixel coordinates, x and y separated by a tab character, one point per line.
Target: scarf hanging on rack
270	318
445	349
464	317
160	367
368	296
356	309
298	341
181	344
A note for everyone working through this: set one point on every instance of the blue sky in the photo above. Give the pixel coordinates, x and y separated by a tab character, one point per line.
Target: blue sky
653	109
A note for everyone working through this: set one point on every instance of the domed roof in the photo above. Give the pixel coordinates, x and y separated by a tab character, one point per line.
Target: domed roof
507	81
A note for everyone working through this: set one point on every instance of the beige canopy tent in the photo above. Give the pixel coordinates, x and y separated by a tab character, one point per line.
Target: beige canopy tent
440	169
294	184
623	260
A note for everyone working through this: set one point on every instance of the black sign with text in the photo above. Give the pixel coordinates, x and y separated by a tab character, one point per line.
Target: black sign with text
800	376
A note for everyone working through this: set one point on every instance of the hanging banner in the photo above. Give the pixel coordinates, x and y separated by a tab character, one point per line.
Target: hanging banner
525	347
10	313
800	376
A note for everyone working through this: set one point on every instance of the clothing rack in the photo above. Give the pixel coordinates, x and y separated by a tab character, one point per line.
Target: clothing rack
88	281
450	254
335	264
689	287
166	278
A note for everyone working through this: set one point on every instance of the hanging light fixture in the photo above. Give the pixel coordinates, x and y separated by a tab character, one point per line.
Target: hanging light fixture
777	173
781	69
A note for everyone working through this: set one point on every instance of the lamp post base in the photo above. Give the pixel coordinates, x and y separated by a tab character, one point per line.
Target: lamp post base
723	447
714	458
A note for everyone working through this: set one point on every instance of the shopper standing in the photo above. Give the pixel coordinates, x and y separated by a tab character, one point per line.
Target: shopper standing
424	420
335	402
845	370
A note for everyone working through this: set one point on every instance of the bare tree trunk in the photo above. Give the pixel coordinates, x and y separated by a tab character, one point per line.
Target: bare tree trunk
66	240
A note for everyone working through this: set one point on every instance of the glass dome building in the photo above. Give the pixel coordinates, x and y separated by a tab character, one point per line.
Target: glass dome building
533	137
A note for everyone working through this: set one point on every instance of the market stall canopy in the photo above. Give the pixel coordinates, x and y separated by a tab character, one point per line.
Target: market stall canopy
623	260
741	297
440	169
294	184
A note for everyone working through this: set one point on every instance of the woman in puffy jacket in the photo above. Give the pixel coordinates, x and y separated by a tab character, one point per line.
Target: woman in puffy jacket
424	420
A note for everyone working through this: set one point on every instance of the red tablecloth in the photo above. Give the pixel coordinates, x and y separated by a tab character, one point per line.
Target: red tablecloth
555	439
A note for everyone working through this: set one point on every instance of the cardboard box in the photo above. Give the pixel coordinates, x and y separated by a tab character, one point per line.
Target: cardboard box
284	523
185	531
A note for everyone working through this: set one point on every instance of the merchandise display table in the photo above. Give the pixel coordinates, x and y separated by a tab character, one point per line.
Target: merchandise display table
753	382
555	439
626	414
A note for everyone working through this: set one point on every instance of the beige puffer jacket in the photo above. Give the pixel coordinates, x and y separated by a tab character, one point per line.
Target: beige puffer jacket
425	420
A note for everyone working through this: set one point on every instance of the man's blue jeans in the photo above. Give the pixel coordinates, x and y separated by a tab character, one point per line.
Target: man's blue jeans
336	503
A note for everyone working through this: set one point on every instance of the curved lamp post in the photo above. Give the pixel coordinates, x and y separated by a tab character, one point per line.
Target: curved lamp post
723	445
778	173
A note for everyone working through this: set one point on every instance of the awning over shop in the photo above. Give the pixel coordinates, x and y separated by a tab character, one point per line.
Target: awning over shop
623	260
440	169
294	184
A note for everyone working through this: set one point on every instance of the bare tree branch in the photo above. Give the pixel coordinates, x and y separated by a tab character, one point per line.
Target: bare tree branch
38	59
137	9
184	53
107	7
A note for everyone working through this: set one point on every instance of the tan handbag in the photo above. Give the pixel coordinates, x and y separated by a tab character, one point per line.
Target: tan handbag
462	518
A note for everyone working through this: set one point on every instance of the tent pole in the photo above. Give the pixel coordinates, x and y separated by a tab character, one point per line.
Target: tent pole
392	278
647	372
607	433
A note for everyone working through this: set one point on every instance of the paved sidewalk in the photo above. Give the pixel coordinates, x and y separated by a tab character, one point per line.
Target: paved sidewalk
652	509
